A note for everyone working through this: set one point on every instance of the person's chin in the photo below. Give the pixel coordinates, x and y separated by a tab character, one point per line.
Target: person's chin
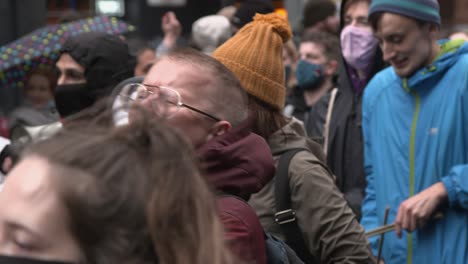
401	73
404	71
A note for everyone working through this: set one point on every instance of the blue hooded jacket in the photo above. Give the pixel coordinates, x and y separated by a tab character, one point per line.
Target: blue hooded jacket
415	135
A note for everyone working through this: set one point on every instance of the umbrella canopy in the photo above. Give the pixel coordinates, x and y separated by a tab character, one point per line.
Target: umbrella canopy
41	47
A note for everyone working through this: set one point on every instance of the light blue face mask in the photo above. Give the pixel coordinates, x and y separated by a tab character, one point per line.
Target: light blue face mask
309	76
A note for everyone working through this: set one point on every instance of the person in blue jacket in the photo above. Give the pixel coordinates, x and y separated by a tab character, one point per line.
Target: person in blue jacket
415	127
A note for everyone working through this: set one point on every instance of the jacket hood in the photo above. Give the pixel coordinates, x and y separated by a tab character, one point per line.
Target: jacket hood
378	63
292	136
342	15
105	58
450	51
237	163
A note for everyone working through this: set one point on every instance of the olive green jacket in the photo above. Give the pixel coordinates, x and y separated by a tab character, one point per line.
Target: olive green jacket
328	225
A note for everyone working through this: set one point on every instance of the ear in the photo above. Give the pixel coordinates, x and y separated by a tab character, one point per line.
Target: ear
220	128
433	31
331	67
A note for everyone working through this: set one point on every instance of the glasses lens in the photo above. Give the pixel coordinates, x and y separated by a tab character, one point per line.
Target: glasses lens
124	103
133	92
168	99
164	101
141	92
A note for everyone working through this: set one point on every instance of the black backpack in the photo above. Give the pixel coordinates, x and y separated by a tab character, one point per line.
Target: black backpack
277	251
285	216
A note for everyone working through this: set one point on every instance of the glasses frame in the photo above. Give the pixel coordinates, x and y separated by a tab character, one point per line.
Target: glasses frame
179	99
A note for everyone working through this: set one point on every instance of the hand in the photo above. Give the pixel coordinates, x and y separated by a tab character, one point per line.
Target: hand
414	212
170	25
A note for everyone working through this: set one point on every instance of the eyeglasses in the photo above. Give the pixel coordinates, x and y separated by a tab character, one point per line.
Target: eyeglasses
164	101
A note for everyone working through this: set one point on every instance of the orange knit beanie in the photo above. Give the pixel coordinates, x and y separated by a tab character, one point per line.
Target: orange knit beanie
255	56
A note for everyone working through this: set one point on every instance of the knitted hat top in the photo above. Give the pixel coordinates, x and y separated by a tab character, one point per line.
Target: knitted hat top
254	55
424	10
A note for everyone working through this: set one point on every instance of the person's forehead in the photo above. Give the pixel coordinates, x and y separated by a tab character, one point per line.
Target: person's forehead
33	198
30	185
30	179
67	61
357	9
38	79
391	24
311	47
182	77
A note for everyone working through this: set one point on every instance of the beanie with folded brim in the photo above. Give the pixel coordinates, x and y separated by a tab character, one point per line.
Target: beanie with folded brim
254	55
423	10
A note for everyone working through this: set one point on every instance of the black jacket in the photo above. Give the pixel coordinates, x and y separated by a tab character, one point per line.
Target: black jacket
346	149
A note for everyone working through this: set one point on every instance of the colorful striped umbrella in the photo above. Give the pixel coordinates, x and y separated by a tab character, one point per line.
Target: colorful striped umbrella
41	47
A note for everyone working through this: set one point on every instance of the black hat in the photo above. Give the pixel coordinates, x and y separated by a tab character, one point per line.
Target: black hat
248	9
316	11
106	59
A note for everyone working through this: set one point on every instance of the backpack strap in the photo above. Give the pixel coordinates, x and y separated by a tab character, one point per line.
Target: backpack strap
285	216
326	127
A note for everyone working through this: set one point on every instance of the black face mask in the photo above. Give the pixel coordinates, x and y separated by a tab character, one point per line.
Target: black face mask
20	260
72	98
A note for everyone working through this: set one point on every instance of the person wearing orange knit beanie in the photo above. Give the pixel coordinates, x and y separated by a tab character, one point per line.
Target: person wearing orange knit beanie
323	228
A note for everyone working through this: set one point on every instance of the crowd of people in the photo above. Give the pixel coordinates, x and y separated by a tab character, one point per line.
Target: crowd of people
254	142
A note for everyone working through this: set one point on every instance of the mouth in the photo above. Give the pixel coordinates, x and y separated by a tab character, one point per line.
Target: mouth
400	63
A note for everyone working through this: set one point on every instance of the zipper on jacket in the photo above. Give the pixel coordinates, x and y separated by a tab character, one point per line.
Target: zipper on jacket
412	159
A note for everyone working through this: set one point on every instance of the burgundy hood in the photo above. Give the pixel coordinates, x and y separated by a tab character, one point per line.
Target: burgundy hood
237	163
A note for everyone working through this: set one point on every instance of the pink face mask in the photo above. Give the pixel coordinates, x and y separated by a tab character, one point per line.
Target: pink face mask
358	46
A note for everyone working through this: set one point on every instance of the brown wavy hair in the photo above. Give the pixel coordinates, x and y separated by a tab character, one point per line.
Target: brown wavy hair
134	194
266	119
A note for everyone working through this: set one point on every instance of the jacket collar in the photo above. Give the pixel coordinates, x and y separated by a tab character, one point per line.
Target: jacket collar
449	53
238	163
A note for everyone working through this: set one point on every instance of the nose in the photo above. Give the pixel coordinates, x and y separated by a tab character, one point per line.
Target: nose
153	104
145	102
388	52
139	106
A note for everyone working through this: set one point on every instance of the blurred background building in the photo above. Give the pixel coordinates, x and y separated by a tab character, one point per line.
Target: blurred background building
19	17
